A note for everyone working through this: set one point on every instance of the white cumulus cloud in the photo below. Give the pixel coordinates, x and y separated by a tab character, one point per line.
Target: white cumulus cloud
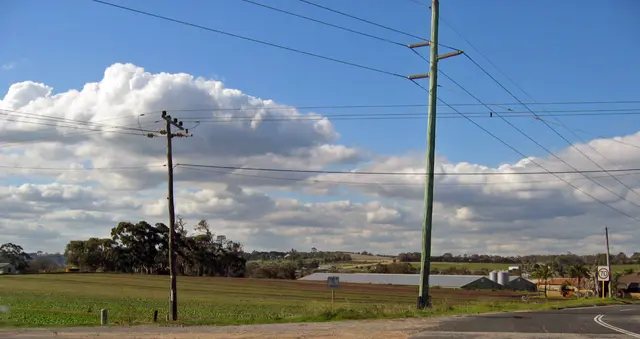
51	195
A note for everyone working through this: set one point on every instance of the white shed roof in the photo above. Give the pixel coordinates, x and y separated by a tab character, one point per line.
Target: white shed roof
447	281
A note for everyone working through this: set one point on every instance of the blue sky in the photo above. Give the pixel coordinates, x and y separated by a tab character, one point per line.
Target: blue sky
556	50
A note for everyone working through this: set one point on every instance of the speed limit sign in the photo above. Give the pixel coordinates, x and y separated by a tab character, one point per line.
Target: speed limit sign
603	273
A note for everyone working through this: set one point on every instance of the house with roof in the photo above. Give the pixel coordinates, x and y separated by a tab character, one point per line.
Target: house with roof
6	268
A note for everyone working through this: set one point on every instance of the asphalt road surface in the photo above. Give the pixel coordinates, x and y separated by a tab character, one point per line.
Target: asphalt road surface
589	322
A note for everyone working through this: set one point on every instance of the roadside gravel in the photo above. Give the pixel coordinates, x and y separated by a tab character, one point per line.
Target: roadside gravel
369	329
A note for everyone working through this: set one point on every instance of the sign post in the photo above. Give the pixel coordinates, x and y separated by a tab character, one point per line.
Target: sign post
603	275
333	283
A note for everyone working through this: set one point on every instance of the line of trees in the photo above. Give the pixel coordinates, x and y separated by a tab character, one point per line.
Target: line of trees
143	248
322	257
566	259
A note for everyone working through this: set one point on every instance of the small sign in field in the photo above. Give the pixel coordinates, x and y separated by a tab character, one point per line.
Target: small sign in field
603	273
333	282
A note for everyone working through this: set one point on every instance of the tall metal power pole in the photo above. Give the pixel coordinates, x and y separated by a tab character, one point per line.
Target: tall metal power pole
606	238
424	300
173	294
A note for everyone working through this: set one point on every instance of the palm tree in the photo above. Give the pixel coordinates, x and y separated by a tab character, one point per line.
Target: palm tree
544	273
578	271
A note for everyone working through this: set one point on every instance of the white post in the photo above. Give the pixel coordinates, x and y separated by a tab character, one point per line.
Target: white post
104	317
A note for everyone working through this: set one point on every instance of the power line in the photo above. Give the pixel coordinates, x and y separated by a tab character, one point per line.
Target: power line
66	135
69	126
394	115
36	116
538	118
536	163
372	23
558	122
250	39
419	3
548	151
326	23
530	97
552	129
64	169
556	175
263	169
310	107
358	183
573	130
363	20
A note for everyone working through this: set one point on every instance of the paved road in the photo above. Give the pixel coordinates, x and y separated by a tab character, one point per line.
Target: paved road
591	322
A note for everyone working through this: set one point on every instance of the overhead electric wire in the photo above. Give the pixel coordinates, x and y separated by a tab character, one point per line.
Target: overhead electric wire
554	174
395	115
545	148
537	116
233	35
325	23
310	107
525	92
287	170
35	116
419	3
372	23
316	181
550	127
67	126
574	133
65	135
535	162
64	169
531	111
573	130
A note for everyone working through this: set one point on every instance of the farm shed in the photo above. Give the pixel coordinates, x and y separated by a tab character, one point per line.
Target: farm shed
482	283
6	268
521	284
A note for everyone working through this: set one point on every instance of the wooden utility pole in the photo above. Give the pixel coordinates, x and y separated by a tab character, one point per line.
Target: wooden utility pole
606	238
424	300
173	292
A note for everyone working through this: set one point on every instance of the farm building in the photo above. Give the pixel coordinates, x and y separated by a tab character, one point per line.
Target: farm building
556	284
521	284
631	282
439	280
482	283
6	268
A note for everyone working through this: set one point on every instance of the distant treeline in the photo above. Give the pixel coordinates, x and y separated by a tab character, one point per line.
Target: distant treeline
321	257
565	259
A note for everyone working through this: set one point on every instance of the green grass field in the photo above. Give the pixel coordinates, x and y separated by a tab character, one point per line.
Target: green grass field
76	300
364	261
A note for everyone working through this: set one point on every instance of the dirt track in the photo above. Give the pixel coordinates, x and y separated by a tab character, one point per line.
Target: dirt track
369	329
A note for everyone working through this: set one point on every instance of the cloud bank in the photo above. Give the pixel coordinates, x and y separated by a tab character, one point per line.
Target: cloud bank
103	124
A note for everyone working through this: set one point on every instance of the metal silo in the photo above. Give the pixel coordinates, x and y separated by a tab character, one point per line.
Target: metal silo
503	278
493	276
